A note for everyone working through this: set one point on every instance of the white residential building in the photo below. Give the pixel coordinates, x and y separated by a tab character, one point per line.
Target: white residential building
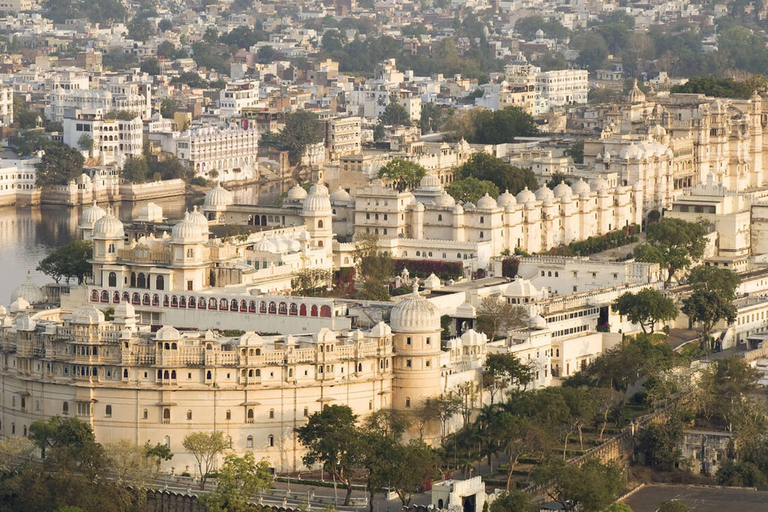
563	87
114	140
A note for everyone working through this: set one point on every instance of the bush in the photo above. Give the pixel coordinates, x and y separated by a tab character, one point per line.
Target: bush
509	267
199	181
595	244
422	269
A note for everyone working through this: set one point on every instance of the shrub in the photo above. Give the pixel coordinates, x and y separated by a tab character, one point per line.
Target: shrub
199	181
445	270
509	267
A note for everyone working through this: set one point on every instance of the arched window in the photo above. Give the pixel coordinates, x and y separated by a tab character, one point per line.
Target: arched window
262	307
294	309
145	299
116	297
249	439
272	308
189	415
146	414
271	440
250	373
360	367
325	311
271	414
313	311
141	282
192	303
303	310
249	416
166	415
112	279
174	301
166	375
258	373
155	300
408	402
104	296
223	305
320	224
208	375
229	415
95	296
133	279
201	303
108	411
282	309
252	306
125	373
65	408
233	305
165	301
243	306
173	372
212	303
182	302
160	283
136	298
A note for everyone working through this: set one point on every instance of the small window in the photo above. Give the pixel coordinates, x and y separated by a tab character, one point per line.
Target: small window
146	414
249	442
408	363
408	402
108	411
271	440
229	415
306	412
189	415
271	414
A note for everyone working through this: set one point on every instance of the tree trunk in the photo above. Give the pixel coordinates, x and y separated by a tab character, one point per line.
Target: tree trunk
605	424
581	438
511	469
348	496
370	499
565	445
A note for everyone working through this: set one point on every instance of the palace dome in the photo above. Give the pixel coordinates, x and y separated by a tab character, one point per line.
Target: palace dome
186	231
317	201
198	218
340	195
167	333
544	193
580	187
29	291
296	193
87	315
218	197
445	200
91	215
521	288
562	189
414	314
265	245
430	181
108	226
486	202
525	196
506	199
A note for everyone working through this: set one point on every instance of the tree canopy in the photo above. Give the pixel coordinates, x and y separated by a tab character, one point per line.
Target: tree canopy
485	167
471	189
68	262
403	173
302	129
590	487
492	127
59	166
205	447
673	243
240	479
646	308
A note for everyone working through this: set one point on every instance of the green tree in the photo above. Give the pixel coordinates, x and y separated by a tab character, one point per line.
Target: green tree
240	480
645	308
395	114
165	25
140	29
375	268
414	464
741	474
85	142
618	507
513	501
158	453
310	282
333	41
69	443
331	438
151	66
661	441
432	116
576	151
135	170
70	261
486	167
504	370
29	142
59	166
716	279
590	487
723	387
205	448
403	173
379	132
708	307
593	50
129	463
495	316
302	129
672	243
471	189
167	107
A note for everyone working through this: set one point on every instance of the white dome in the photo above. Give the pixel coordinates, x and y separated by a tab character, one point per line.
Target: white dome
430	181
506	199
218	197
466	310
486	202
108	227
458	210
186	231
415	314
168	333
198	218
87	315
445	200
601	184
381	330
91	215
521	288
580	187
150	212
632	152
544	193
340	195
317	201
562	189
20	304
264	245
525	196
29	291
537	322
296	193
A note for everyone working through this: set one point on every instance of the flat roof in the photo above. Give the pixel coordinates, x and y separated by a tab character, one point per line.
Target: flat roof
700	499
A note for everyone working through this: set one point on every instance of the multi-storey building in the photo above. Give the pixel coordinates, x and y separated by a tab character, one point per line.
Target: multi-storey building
114	94
238	96
343	136
114	140
563	87
6	105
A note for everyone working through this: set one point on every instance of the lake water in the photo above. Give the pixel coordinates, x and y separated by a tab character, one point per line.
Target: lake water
28	234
